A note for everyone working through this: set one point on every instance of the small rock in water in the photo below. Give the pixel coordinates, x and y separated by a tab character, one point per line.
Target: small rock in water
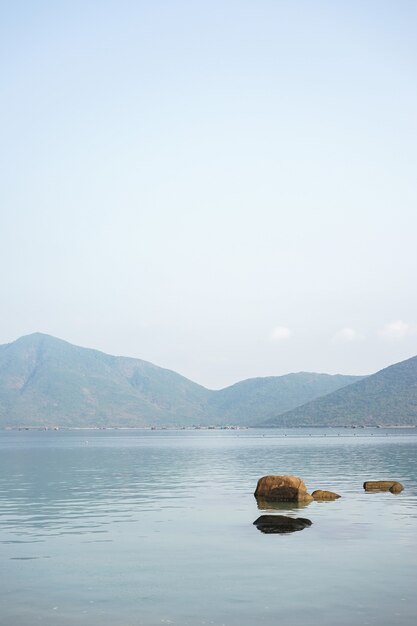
280	524
383	485
321	494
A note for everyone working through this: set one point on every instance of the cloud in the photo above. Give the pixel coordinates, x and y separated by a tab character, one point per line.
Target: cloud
396	331
346	335
280	333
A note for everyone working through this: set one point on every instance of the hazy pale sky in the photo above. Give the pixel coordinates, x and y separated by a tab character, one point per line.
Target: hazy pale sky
225	188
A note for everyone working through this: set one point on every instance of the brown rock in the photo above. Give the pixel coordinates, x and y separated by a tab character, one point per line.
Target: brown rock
321	494
280	524
383	485
397	487
282	489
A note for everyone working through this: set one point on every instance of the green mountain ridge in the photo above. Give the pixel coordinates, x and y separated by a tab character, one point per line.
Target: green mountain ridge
255	398
46	381
386	398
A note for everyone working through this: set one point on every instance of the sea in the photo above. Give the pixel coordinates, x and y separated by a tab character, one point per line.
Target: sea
151	527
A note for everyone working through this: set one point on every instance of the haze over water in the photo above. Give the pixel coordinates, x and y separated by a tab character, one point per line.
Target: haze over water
129	528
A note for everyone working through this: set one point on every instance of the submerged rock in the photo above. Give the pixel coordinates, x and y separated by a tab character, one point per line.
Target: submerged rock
280	524
321	494
383	485
282	489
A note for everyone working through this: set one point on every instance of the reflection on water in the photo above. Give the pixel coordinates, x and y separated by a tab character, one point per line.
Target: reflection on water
281	524
125	528
271	505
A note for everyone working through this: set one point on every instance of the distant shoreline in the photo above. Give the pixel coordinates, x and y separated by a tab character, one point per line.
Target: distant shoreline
201	428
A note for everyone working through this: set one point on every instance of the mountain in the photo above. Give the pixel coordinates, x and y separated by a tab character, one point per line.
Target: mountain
46	381
387	398
258	398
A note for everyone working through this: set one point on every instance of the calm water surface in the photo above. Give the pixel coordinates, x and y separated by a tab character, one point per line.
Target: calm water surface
129	528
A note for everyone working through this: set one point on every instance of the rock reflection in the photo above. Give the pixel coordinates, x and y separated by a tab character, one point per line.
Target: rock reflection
273	505
281	524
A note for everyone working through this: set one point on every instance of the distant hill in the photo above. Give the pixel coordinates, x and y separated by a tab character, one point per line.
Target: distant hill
45	381
254	399
387	398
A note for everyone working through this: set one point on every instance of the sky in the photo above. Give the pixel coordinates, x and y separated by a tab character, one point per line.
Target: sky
224	188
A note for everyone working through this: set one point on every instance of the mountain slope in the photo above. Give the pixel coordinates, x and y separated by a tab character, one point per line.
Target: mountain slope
45	381
386	398
258	398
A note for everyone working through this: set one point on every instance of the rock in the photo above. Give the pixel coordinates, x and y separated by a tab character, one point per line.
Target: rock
321	494
396	487
282	489
280	524
383	485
